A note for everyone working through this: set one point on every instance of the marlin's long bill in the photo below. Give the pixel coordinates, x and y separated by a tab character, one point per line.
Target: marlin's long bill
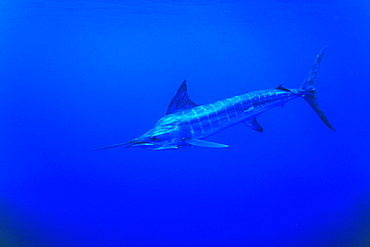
126	144
187	124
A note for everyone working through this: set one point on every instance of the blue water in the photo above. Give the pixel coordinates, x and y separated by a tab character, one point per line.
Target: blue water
78	75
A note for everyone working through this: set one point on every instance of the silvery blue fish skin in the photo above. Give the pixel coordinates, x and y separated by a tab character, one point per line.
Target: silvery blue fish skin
186	124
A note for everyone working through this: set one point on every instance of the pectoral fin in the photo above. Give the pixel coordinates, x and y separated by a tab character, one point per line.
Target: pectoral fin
254	124
202	143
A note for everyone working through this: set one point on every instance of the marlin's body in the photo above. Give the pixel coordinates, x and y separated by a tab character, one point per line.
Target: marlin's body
204	120
186	124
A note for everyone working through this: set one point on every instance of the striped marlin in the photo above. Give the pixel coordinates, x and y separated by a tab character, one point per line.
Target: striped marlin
187	124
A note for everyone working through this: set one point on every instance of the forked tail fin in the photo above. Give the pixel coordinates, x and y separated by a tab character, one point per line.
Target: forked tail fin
310	97
308	89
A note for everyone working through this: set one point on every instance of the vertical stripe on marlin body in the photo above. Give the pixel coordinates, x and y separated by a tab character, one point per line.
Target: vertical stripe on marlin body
186	123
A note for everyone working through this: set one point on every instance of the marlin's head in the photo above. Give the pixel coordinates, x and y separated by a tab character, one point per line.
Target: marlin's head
155	140
163	136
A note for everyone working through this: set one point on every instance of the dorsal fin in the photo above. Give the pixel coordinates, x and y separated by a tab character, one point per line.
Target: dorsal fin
180	100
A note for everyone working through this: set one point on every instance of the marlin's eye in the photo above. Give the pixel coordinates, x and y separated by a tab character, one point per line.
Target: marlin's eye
154	138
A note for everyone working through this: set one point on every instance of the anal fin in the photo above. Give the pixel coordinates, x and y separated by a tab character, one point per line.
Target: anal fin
202	143
254	124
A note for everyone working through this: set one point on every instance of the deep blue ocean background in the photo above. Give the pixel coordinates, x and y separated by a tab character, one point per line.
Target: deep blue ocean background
78	75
